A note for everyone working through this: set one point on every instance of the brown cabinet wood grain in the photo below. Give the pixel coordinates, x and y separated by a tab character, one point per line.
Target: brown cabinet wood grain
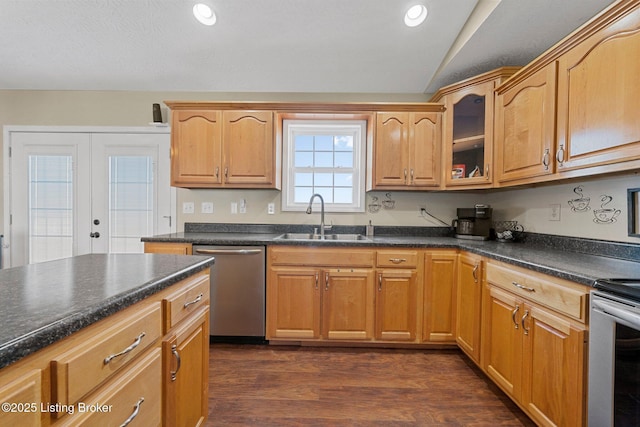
469	304
440	271
407	150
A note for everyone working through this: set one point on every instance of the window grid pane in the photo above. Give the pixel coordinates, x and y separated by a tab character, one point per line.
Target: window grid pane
50	207
130	202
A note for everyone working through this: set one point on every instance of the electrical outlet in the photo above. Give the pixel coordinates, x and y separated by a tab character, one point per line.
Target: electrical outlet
243	206
188	207
554	212
206	208
271	208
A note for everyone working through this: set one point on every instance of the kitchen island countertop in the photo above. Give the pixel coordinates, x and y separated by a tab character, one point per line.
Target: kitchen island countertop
45	302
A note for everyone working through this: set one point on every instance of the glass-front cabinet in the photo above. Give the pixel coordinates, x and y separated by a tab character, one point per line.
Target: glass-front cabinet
468	130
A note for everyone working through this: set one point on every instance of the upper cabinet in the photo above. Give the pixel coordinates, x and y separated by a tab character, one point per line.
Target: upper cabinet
213	148
525	127
599	95
573	111
407	150
467	144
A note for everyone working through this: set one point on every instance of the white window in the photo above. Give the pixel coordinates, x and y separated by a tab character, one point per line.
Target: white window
325	157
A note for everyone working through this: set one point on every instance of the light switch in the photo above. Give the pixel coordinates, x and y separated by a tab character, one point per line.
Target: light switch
554	212
234	208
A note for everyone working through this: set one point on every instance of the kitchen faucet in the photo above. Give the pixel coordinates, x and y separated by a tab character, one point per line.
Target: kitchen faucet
309	210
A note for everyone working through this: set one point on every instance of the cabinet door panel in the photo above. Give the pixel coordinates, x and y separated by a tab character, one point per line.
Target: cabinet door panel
469	302
196	156
391	149
502	342
396	305
293	303
553	369
249	147
25	389
598	98
439	297
348	304
525	125
424	155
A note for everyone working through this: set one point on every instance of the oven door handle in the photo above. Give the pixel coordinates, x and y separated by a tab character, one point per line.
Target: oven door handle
613	311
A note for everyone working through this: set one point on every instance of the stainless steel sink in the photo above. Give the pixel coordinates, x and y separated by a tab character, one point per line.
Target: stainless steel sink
310	236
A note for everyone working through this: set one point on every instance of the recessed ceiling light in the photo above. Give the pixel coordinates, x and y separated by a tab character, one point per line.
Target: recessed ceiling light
204	14
415	15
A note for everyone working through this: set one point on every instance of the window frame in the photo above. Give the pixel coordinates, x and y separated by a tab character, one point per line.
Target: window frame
292	124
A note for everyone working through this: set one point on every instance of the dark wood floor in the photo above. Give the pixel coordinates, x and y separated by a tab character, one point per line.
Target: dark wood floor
253	385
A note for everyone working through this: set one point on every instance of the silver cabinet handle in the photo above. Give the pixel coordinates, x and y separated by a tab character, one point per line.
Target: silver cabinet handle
545	159
317	277
217	171
134	414
226	172
405	175
513	316
126	350
487	172
326	281
380	282
526	288
398	260
475	273
174	351
195	301
560	154
412	177
524	328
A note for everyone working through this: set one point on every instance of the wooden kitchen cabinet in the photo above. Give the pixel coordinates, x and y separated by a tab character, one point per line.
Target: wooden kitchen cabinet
396	297
213	147
167	248
598	102
302	284
469	304
186	371
468	140
22	389
525	128
533	352
407	150
439	300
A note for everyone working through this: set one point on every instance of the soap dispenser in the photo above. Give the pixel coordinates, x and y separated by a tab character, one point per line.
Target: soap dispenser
370	229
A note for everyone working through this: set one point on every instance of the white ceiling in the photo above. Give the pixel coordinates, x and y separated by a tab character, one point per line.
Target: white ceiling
336	46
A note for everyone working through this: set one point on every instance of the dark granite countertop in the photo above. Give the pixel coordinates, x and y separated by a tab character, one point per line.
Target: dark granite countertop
578	260
45	302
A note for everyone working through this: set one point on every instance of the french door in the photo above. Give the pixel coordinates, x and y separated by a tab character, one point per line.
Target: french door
74	193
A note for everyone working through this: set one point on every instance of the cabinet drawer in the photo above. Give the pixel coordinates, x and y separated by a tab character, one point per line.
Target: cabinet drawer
566	297
394	258
324	257
190	296
103	353
136	395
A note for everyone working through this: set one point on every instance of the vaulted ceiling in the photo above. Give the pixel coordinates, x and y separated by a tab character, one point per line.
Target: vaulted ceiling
335	46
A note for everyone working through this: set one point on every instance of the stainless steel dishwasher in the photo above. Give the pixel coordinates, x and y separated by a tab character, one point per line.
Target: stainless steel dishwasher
237	293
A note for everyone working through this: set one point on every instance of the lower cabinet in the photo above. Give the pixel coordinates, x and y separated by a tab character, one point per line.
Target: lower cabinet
535	354
469	304
186	371
344	296
439	301
24	393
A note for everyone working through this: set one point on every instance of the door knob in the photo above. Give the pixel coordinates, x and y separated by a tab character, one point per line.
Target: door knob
94	235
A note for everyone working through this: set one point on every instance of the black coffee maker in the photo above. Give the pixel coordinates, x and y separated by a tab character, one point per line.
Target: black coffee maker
473	223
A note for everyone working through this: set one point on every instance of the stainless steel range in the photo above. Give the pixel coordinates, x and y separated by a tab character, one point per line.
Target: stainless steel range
614	353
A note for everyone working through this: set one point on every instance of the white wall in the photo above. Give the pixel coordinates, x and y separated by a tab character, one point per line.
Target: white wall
529	206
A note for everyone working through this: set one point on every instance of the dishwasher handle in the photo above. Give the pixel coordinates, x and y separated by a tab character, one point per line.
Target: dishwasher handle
228	251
